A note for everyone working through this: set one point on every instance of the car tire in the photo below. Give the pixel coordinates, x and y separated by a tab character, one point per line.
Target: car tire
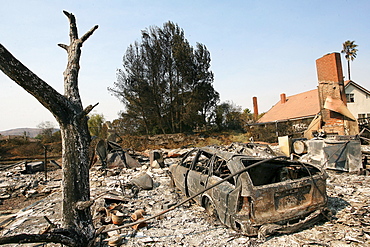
210	208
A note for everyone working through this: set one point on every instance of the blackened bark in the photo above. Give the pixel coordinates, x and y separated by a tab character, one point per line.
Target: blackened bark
72	118
76	188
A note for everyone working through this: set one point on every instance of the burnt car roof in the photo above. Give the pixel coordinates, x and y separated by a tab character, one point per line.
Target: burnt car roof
223	154
228	155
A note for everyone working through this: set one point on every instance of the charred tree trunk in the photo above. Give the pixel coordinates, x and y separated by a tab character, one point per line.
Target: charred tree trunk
75	184
75	143
72	118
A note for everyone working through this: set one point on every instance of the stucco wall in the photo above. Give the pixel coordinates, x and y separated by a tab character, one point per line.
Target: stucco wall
362	101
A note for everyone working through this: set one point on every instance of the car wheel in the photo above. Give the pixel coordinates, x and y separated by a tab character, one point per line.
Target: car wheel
210	208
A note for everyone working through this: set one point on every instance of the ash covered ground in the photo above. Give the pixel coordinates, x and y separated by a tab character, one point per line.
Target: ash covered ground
27	198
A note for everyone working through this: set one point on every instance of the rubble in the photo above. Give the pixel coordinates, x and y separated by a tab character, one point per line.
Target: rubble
112	155
188	224
143	181
343	154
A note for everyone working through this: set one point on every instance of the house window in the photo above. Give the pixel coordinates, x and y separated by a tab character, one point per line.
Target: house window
361	115
350	97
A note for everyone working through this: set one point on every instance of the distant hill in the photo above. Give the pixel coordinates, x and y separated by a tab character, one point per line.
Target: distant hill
30	132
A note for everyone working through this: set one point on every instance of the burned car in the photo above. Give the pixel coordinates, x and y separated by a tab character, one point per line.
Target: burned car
278	195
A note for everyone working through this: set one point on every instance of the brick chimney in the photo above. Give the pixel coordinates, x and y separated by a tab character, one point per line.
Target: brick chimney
282	98
330	77
329	68
255	108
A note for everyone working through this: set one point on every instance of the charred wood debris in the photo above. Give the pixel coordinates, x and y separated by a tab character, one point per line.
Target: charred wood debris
136	202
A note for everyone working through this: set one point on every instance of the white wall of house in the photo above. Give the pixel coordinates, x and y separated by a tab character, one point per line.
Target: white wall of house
361	104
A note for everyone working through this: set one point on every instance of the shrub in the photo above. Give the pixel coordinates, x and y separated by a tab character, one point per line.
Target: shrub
31	149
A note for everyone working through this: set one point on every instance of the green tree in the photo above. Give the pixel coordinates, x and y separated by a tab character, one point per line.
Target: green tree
247	116
228	116
166	85
95	124
350	51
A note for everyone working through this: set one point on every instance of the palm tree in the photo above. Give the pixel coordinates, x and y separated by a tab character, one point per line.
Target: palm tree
350	51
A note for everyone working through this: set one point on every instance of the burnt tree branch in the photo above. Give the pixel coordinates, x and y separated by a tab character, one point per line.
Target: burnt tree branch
89	108
44	93
88	33
37	238
73	33
65	47
73	66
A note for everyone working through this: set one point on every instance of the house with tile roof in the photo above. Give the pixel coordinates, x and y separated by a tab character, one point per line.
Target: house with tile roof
306	105
293	115
300	106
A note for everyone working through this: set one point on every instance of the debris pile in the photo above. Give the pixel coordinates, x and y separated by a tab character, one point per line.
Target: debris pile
125	195
19	183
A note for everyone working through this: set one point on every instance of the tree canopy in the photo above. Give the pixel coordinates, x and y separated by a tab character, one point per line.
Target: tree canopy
95	124
229	116
166	85
350	51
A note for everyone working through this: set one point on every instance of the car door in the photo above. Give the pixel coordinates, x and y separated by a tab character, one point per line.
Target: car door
180	171
199	173
224	196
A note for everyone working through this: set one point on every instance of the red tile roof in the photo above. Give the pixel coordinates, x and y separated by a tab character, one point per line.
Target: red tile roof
296	106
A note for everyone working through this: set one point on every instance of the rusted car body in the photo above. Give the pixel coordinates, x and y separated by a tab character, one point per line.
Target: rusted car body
280	195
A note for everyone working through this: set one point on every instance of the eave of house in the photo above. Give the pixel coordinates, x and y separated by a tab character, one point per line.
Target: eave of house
349	82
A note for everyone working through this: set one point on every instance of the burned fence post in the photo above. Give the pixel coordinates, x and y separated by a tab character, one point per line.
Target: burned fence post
46	162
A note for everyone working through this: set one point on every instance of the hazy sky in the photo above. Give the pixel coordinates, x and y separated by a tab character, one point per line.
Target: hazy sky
258	48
